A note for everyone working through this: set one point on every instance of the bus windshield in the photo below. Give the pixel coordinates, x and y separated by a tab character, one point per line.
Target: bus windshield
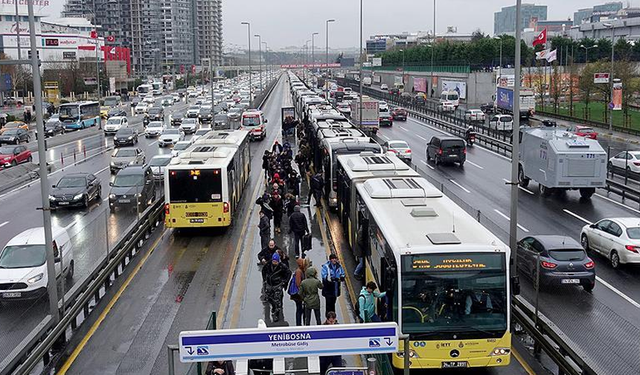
454	295
69	112
195	186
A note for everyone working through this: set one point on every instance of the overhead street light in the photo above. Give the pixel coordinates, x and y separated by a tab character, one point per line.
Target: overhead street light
586	51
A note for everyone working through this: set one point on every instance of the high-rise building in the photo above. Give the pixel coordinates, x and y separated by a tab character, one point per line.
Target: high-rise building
208	26
597	13
504	21
162	34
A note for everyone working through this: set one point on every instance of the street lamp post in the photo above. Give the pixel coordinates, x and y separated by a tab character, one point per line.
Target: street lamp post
586	52
403	83
326	54
266	62
613	35
249	41
260	58
313	50
306	57
433	45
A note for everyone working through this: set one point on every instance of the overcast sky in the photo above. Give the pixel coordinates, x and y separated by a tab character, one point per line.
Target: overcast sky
285	23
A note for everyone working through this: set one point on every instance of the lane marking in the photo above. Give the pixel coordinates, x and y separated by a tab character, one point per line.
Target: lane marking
509	219
576	216
521	188
616	291
152	143
427	164
383	136
76	352
421	137
474	164
3	224
522	362
403	128
460	186
618	203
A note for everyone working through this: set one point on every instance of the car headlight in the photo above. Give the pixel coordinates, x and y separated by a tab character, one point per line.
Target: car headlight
77	197
130	138
36	278
112	196
138	195
52	198
113	164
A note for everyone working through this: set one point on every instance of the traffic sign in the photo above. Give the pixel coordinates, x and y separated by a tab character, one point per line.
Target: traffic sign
288	342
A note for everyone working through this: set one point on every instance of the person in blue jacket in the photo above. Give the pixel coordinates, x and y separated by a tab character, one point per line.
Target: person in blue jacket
367	302
332	275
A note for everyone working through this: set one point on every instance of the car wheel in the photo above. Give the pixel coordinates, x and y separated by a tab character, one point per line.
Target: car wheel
609	166
30	159
86	201
628	170
588	287
436	160
522	179
615	259
99	194
545	191
71	270
428	157
584	241
14	162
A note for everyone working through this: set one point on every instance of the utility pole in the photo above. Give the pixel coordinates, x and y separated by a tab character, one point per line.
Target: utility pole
433	46
515	143
313	50
326	81
249	46
260	58
52	286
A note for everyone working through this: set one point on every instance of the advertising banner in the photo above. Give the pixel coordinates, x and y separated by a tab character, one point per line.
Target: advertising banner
297	66
601	78
460	87
376	61
617	96
420	84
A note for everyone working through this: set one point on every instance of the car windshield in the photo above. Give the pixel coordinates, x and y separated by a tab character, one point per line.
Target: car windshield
453	295
194	108
506	119
124	132
181	146
11	132
251	121
633	233
585	130
202	131
125	153
113	121
159	162
6	150
189	121
567	254
155	110
70	182
110	101
172	132
155	124
23	256
235	110
128	180
142	104
398	145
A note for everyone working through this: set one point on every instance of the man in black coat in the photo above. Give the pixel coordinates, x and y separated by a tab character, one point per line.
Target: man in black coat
265	230
275	276
299	227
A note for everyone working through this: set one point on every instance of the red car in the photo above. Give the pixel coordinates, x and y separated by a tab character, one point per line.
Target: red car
10	156
399	114
583	131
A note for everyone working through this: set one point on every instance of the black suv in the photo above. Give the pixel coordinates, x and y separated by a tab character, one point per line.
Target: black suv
156	114
443	150
132	185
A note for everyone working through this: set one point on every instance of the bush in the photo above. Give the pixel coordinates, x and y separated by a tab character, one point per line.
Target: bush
11	117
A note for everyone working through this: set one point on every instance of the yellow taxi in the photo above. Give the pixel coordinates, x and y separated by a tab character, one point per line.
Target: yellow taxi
14	125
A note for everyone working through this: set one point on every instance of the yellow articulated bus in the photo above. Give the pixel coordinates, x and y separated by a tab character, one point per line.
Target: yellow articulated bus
204	184
446	276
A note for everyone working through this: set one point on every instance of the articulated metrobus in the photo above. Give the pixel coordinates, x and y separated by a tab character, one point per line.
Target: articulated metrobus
79	115
446	276
204	184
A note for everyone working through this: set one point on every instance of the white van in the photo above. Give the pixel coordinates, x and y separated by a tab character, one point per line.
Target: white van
23	263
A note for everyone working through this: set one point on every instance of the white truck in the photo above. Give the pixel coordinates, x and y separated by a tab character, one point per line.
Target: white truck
370	119
558	160
504	101
366	81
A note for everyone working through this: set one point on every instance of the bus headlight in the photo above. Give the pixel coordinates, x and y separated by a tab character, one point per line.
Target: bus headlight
500	351
412	354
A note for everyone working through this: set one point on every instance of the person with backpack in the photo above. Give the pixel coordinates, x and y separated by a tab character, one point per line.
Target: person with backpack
309	294
366	306
332	275
315	188
294	287
275	276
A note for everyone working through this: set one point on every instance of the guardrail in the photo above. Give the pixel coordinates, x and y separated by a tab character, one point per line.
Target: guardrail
597	124
549	338
37	345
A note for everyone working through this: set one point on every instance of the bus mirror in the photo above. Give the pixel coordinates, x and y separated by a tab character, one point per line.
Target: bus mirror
515	285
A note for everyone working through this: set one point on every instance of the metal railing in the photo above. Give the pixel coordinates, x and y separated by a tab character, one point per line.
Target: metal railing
598	124
83	296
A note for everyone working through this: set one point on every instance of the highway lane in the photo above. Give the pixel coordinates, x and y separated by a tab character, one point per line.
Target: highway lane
91	229
181	283
481	185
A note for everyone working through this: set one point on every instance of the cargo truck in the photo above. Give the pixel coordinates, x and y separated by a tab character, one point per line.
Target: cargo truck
370	114
558	160
504	101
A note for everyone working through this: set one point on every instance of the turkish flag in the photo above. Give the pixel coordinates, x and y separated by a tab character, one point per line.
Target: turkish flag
94	34
541	38
111	38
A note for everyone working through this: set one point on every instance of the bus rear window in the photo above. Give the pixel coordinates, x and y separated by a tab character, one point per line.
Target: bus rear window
195	186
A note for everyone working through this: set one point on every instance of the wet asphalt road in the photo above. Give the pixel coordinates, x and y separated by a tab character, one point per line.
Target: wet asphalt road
90	229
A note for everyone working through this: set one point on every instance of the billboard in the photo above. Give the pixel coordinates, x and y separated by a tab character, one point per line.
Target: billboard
420	84
600	77
459	86
376	61
297	66
504	98
617	96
